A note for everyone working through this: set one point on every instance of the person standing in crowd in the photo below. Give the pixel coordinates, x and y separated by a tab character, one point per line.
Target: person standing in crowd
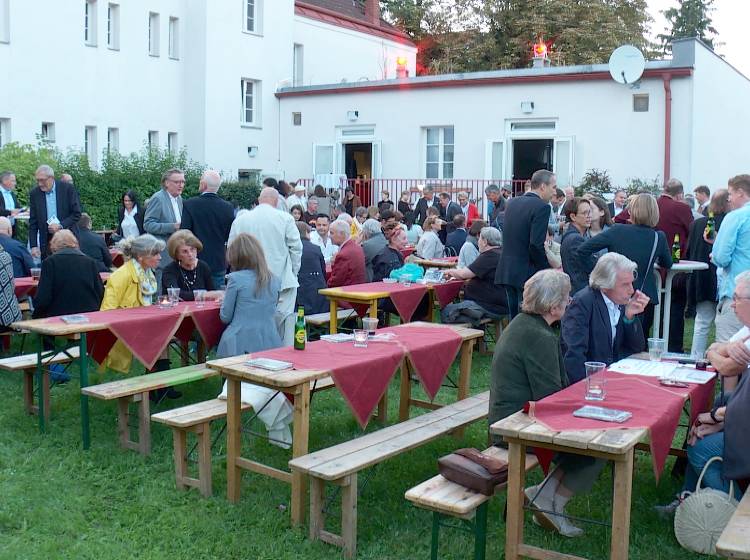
702	287
640	242
423	204
130	216
469	209
351	201
322	199
349	265
53	205
578	215
524	234
429	246
186	271
413	231
601	219
92	244
731	254
310	214
557	204
279	237
601	323
210	218
164	214
404	203
702	196
312	274
618	203
457	237
385	202
298	197
496	206
373	241
280	191
297	213
319	236
19	254
9	207
448	208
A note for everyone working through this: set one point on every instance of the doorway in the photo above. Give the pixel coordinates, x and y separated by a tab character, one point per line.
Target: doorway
358	161
531	155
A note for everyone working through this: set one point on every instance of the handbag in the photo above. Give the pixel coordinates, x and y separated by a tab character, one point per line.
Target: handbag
471	468
702	516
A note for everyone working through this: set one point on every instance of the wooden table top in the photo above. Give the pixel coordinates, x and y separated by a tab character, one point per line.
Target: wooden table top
50	328
434	263
236	367
613	441
364	297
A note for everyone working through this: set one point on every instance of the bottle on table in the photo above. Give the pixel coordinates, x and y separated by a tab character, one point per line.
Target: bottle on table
710	231
676	253
300	330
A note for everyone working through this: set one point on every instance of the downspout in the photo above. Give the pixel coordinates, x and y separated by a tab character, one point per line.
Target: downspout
667	78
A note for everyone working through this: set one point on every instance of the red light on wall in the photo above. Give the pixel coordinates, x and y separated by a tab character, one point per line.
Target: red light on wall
540	49
401	70
401	61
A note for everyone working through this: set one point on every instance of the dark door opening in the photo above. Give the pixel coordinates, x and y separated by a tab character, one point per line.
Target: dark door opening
531	155
358	161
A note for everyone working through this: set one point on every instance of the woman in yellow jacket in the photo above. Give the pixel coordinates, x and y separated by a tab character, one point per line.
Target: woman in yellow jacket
132	285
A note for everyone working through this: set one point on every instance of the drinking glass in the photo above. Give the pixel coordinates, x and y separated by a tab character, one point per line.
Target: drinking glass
174	296
360	338
36	273
656	347
370	324
596	382
200	297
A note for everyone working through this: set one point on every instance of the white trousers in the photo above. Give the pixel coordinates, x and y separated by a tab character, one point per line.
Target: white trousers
286	315
705	312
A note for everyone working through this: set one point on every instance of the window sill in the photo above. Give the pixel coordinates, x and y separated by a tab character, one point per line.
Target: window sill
253	33
152	55
92	45
251	126
117	49
4	41
174	58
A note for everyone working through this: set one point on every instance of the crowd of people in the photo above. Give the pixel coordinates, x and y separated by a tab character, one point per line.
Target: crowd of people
543	258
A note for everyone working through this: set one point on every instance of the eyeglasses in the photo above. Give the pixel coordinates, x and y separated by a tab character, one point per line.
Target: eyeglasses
736	298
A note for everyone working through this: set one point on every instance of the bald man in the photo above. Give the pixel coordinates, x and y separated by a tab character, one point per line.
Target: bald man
22	261
279	237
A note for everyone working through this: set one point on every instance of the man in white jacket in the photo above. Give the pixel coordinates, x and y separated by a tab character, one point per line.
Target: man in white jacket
279	237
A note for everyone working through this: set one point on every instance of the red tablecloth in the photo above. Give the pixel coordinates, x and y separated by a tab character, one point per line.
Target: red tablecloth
118	259
405	298
406	251
654	407
448	291
362	375
146	331
24	286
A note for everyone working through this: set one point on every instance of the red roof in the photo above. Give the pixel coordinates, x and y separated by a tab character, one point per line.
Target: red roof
351	15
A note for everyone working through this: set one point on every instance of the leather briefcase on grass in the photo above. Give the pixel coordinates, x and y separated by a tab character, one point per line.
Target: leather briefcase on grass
471	468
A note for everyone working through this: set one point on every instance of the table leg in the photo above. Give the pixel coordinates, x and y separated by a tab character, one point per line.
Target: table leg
374	310
464	376
404	399
514	500
83	364
431	306
333	320
300	439
234	439
621	507
39	381
667	307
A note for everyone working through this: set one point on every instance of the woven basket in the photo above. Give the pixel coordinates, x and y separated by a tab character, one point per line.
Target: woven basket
701	517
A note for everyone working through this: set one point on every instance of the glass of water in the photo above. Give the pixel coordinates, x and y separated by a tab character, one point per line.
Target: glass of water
360	338
200	297
656	347
174	296
596	381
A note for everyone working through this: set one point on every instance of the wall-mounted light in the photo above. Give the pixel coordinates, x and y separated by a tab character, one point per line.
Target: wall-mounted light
527	107
352	115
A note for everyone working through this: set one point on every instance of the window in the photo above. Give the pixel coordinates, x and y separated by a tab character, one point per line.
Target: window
4	21
298	65
174	38
89	26
248	176
153	139
48	132
172	143
113	140
533	126
640	103
296	119
252	13
153	34
89	145
4	132
250	102
439	152
113	27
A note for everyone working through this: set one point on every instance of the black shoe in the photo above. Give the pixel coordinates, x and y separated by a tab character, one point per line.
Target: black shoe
157	395
173	394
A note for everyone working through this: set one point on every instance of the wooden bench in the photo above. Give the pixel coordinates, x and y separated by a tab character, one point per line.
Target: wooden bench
197	418
136	389
323	320
27	365
340	464
448	499
499	324
734	542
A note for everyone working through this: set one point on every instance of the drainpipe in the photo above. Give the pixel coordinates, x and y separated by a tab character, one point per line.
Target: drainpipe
667	78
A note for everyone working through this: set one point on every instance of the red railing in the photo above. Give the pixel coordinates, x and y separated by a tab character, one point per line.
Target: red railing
368	190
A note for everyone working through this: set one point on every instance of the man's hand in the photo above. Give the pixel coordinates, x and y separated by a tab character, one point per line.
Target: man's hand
35	252
177	226
15	212
739	351
636	305
709	240
451	273
54	228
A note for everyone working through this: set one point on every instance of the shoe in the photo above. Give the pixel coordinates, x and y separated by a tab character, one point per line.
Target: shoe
667	511
58	374
535	505
173	393
157	395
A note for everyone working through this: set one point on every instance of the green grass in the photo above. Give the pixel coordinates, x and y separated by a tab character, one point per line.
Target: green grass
58	501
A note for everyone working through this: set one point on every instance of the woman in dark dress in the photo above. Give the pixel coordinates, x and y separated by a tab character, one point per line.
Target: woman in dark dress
311	275
185	271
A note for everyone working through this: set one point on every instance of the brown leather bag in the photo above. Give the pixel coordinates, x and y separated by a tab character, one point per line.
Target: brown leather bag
471	468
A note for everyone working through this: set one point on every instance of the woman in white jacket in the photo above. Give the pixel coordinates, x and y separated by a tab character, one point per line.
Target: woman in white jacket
429	245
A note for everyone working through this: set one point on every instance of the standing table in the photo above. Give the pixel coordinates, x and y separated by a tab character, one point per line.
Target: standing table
665	288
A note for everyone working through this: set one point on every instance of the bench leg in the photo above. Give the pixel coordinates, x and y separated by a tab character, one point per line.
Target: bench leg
480	532
204	459
179	439
435	535
45	395
28	391
317	502
144	425
143	445
123	430
349	516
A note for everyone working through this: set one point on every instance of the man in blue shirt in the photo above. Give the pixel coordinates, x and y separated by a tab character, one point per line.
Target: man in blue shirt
8	202
22	261
53	205
731	254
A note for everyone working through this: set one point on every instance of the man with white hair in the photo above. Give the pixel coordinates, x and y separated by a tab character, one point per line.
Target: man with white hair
601	323
9	206
22	261
348	266
297	197
210	218
278	235
53	205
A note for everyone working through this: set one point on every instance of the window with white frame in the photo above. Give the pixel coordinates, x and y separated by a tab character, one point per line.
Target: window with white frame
250	102
4	132
48	132
298	72
113	26
439	152
172	143
153	34
89	145
89	25
174	38
4	21
153	139
113	140
252	11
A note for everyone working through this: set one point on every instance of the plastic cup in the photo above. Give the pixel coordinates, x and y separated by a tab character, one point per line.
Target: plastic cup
596	382
36	273
656	347
360	338
200	297
370	324
174	296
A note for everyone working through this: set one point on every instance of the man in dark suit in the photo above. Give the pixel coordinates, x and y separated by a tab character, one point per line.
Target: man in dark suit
448	208
9	206
22	261
423	204
703	196
601	323
456	238
618	204
495	214
92	244
524	234
53	205
348	266
210	218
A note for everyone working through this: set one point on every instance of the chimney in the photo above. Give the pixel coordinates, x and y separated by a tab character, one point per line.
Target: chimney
372	12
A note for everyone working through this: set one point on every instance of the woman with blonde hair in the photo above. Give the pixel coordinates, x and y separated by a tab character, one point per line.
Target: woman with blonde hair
429	245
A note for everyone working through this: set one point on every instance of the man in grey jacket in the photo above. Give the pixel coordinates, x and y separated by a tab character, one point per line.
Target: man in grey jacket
164	213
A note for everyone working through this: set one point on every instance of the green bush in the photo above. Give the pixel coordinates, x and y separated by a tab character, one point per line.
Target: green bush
595	181
241	194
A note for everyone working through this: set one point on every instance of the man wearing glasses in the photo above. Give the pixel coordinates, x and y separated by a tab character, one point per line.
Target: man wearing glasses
164	213
53	205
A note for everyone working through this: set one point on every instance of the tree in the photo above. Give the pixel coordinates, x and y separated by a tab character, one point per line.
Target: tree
691	19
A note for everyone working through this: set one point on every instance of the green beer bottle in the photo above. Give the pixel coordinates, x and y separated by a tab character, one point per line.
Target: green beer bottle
676	248
300	333
710	226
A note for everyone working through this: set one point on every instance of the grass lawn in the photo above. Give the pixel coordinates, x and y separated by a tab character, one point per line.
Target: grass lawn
58	501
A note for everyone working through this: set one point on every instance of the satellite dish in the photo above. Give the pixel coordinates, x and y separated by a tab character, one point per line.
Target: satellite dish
626	64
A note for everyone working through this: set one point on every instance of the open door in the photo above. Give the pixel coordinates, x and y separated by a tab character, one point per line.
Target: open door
377	159
564	159
323	159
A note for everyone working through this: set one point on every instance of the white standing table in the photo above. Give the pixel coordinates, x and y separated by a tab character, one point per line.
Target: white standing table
665	291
